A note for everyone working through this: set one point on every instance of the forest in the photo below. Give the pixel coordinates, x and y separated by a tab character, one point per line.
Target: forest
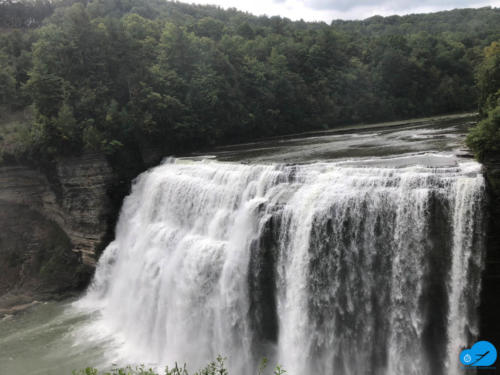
123	77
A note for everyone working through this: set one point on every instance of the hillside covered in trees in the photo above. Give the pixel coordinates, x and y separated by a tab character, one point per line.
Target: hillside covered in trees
123	76
484	139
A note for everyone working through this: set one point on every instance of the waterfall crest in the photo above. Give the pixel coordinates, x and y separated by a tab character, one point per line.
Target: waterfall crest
327	268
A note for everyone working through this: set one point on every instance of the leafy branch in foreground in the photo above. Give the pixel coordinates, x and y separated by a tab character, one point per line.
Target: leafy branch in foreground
216	367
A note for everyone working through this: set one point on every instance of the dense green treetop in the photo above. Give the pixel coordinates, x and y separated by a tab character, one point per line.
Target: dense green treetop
484	138
115	75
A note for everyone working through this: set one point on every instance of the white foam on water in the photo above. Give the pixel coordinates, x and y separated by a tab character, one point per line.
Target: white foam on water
327	268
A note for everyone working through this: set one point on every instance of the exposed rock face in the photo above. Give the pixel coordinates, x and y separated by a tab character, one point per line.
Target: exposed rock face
52	224
490	307
85	205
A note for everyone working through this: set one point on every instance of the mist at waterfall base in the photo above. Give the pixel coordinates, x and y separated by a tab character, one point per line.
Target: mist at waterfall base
326	268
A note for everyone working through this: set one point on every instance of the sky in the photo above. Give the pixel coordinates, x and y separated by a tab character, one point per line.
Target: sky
328	10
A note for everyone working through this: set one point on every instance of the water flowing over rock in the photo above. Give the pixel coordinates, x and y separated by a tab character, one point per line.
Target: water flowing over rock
326	268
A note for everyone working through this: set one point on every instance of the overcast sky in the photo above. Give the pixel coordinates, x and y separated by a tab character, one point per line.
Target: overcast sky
327	10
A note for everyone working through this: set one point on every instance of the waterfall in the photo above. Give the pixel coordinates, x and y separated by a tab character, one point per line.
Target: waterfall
337	268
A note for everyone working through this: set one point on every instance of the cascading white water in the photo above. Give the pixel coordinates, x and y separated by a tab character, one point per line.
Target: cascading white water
327	268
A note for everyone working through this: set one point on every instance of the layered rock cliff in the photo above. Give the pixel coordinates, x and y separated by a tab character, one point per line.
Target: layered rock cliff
53	223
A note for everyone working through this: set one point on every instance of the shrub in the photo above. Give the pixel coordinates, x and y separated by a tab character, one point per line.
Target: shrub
484	138
216	367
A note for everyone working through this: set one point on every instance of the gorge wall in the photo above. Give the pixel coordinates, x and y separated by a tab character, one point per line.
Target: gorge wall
490	308
53	222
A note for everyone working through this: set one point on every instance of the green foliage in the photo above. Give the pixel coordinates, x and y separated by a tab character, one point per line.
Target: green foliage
47	92
15	134
124	77
216	367
488	79
24	13
7	83
93	140
262	366
484	138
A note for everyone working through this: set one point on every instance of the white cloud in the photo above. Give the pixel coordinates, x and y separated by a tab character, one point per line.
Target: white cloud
327	10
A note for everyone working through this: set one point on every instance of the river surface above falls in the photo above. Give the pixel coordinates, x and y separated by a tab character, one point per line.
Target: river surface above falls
55	338
412	137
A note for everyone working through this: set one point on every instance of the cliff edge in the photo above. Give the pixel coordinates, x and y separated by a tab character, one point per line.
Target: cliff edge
490	308
54	222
